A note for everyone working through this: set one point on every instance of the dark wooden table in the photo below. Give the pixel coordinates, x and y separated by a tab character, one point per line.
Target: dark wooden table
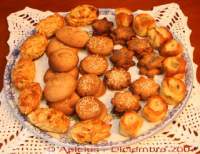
191	8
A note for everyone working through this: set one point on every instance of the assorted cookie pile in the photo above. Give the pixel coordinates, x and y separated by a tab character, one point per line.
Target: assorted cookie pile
73	88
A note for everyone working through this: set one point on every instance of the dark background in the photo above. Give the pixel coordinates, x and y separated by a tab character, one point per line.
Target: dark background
191	8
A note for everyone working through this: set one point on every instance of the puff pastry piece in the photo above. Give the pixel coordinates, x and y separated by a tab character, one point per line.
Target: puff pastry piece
123	17
173	90
155	109
50	120
90	131
130	124
29	98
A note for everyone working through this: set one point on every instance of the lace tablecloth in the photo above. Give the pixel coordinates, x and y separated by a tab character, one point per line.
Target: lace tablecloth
181	136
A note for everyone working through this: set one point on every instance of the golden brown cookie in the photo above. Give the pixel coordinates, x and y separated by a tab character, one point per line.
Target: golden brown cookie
123	17
130	124
50	25
90	131
55	45
117	78
94	64
72	36
63	60
29	98
23	73
144	87
34	46
67	106
155	109
142	23
125	101
50	120
82	15
59	88
88	85
100	45
173	90
88	107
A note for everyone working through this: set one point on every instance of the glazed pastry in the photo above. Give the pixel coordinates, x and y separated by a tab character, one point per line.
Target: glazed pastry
50	25
144	87
125	101
117	78
29	98
155	109
90	131
50	120
173	90
123	17
23	73
34	46
130	124
100	45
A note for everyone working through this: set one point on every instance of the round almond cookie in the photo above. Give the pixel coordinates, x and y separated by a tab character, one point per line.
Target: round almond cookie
88	107
82	15
23	73
59	88
88	85
34	46
101	45
63	60
117	78
50	25
94	64
72	36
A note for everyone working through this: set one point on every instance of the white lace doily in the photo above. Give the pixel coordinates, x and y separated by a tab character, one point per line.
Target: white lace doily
183	132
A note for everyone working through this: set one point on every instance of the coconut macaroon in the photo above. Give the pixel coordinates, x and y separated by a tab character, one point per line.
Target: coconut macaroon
155	109
173	90
117	78
130	124
123	17
50	25
34	46
142	23
125	101
49	119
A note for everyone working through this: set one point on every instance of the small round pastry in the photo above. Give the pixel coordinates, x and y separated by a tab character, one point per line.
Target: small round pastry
173	90
34	46
50	25
104	116
23	73
123	17
82	15
140	46
142	23
130	124
63	60
90	131
155	109
171	48
51	74
55	45
88	85
125	101
67	106
122	34
123	58
29	98
149	72
101	91
94	64
158	36
59	88
49	119
102	26
144	87
117	78
174	65
100	45
88	107
72	36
